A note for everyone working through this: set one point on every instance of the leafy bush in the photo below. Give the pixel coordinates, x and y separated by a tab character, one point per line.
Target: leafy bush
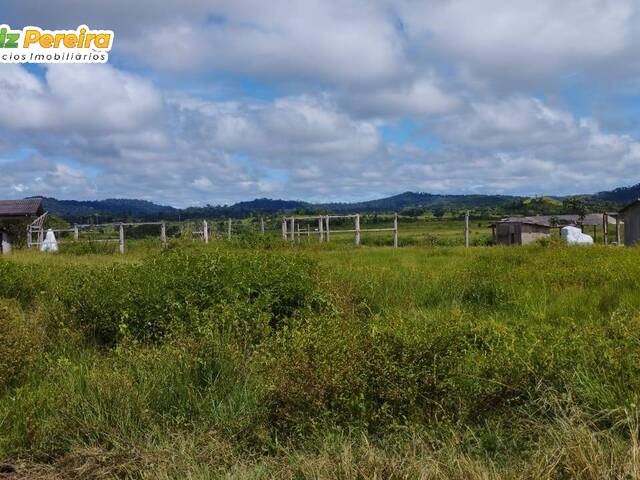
125	395
429	371
90	247
22	282
486	348
21	342
179	288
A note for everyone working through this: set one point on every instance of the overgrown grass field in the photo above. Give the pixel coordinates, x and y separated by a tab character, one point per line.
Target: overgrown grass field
256	359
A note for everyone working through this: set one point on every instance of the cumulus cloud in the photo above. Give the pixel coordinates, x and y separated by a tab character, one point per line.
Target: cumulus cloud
522	145
183	148
74	98
285	130
112	124
420	97
39	174
519	39
349	40
361	42
218	101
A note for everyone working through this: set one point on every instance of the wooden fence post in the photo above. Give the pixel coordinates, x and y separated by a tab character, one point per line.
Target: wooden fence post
163	235
466	229
605	228
29	237
76	233
122	238
328	232
395	230
205	231
320	229
229	230
284	228
618	236
298	231
293	229
357	229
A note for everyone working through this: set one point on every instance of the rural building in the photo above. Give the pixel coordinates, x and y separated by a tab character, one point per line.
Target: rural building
631	215
570	220
519	231
20	209
589	223
15	215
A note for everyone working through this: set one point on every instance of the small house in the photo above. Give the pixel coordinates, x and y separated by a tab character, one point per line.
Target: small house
20	209
15	216
631	215
519	231
568	220
589	223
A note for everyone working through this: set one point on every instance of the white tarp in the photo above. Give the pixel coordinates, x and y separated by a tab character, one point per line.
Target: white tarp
50	243
574	236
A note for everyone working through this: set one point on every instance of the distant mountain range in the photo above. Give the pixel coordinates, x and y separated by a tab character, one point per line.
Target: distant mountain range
111	206
622	195
100	211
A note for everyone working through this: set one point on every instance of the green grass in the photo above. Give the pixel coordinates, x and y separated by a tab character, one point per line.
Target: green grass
258	359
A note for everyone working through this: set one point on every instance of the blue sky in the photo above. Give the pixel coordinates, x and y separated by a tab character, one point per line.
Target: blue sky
217	101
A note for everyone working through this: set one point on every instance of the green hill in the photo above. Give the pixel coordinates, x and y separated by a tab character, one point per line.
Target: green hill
415	202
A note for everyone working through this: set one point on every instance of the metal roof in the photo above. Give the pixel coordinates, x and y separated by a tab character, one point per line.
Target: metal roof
21	208
562	220
623	209
526	220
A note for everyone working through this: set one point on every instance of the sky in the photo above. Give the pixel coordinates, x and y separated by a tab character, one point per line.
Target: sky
218	101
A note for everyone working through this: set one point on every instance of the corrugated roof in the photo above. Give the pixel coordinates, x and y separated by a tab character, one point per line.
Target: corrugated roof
21	208
562	220
527	220
623	209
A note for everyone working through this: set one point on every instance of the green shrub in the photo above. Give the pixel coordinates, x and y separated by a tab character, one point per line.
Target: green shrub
22	282
447	367
172	290
131	395
89	247
21	343
248	342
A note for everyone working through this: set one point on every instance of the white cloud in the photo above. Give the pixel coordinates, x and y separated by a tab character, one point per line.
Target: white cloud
515	40
75	98
306	147
176	147
281	133
47	177
424	96
522	145
346	40
482	79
